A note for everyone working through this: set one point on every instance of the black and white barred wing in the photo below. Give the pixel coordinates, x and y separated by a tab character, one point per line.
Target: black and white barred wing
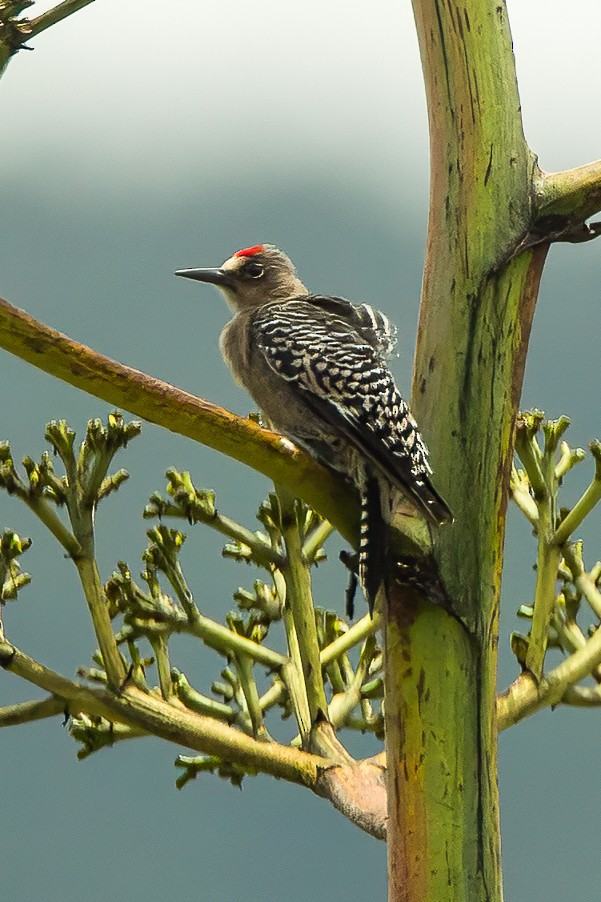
372	325
325	349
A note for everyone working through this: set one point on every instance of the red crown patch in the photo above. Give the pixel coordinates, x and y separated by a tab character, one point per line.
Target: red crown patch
249	251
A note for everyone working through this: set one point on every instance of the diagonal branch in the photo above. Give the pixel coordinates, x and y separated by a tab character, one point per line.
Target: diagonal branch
175	724
355	789
177	410
14	31
524	697
25	712
32	27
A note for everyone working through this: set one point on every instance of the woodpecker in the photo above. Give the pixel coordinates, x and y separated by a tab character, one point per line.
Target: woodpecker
316	367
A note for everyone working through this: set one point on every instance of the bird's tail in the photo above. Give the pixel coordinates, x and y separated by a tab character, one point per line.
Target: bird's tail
373	539
431	502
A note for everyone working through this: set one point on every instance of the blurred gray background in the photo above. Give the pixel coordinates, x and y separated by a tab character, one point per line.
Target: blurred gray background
143	137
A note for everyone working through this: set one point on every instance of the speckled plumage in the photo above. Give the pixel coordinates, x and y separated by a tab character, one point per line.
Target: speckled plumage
317	368
331	350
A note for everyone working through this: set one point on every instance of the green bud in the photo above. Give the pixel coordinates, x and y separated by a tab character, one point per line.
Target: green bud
223	689
61	437
112	483
237	551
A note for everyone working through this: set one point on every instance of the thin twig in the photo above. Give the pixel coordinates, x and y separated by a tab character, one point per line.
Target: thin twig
315	540
548	552
25	712
215	635
582	697
87	570
299	599
262	553
359	631
581	509
244	667
53	523
35	26
161	654
198	702
573	557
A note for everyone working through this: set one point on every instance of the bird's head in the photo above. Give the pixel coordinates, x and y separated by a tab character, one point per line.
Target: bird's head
253	276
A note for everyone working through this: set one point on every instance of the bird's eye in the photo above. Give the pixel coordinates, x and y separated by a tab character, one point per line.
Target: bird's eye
254	270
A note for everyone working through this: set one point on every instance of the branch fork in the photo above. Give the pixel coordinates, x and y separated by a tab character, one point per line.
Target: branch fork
553	615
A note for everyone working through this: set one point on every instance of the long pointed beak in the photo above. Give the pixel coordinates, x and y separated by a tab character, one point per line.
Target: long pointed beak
213	276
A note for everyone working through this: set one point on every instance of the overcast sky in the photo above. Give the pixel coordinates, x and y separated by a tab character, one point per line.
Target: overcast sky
206	82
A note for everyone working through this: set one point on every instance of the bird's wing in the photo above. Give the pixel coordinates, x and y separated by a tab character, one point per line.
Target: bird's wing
347	384
371	324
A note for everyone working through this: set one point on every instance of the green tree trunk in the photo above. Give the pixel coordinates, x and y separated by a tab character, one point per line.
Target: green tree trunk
477	305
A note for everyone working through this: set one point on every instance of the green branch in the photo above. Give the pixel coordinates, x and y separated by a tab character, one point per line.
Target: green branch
175	724
25	712
14	32
244	667
32	496
573	193
297	576
180	412
572	553
547	563
585	504
198	702
95	733
91	584
198	506
527	449
553	618
343	703
314	541
359	631
163	666
33	27
542	472
162	553
142	713
582	697
213	634
519	487
525	696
